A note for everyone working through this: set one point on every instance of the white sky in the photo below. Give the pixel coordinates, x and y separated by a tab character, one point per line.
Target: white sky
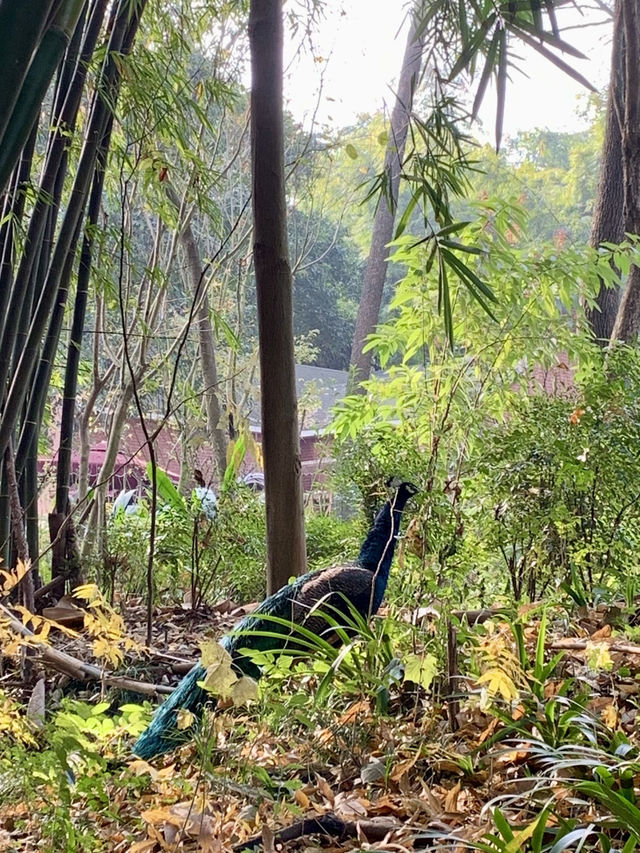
361	43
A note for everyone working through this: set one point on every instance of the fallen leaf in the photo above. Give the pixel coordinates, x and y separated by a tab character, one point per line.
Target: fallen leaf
220	676
184	719
324	789
145	846
609	716
244	690
301	799
373	770
268	840
451	800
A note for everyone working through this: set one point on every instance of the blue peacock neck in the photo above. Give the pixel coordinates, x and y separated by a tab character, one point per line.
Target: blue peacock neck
378	548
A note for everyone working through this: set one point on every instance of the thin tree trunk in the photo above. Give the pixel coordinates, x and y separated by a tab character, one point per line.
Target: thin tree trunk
32	516
628	320
376	268
281	447
63	473
118	424
608	212
17	525
12	221
206	341
120	43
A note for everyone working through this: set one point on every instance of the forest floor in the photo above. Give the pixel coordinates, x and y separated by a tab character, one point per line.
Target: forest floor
503	760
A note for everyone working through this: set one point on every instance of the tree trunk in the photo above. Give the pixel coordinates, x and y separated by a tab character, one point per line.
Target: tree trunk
46	207
628	320
206	341
280	436
376	268
18	529
105	96
118	423
608	212
63	473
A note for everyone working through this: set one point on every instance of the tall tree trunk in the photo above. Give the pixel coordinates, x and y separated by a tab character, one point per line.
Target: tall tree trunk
95	521
608	212
42	61
105	97
63	473
17	525
45	211
628	320
280	435
206	340
376	268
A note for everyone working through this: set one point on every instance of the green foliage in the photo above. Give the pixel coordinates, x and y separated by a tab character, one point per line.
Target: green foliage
468	421
558	483
71	765
328	274
213	558
371	660
553	175
331	540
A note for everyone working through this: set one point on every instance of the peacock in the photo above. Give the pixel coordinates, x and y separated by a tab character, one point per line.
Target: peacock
360	585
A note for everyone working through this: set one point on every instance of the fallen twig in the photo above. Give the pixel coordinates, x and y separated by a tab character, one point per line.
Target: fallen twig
579	644
62	662
327	824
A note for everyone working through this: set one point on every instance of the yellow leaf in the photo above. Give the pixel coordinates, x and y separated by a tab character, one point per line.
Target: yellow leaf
420	669
212	653
498	682
220	676
244	690
598	656
12	579
519	838
185	719
609	716
88	592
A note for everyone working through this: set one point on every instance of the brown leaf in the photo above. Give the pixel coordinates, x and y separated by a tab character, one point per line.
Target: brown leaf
323	788
451	800
301	799
267	840
145	846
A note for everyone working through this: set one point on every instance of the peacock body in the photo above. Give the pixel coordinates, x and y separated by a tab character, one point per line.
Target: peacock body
360	585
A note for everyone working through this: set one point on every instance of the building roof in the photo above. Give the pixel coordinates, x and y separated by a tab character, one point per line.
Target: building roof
318	389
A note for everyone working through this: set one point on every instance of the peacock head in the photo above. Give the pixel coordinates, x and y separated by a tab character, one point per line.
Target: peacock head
405	486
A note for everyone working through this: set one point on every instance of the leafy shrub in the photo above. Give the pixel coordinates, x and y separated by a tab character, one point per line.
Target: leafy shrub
331	540
212	558
520	491
559	486
224	556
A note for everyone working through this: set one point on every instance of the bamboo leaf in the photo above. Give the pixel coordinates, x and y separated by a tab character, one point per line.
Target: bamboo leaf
559	63
472	47
548	38
406	214
487	71
468	275
501	86
444	298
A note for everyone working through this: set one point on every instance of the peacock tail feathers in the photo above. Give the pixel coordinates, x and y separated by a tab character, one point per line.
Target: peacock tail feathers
359	586
163	734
